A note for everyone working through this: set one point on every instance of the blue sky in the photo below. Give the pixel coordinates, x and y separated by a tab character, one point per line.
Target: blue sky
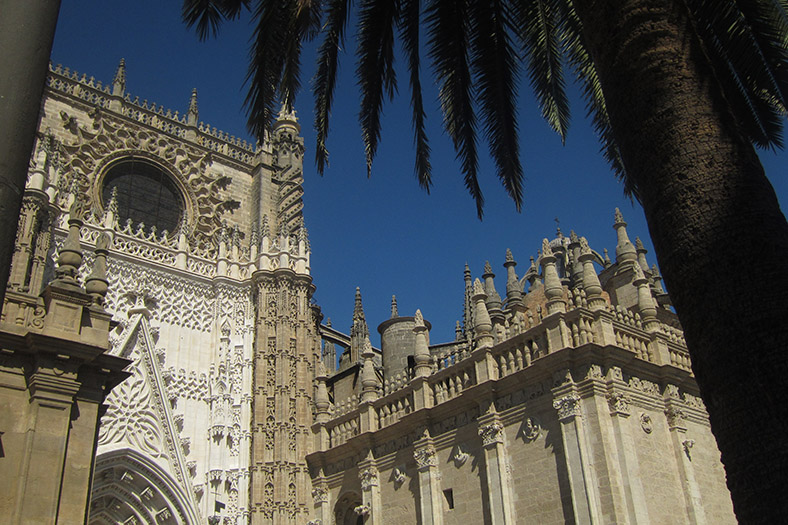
383	234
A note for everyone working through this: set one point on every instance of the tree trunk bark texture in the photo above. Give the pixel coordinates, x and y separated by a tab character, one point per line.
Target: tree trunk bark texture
718	232
27	29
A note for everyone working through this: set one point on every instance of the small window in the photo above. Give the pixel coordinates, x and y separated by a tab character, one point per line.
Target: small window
448	494
145	193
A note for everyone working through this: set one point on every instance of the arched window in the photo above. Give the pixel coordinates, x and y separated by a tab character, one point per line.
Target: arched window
145	193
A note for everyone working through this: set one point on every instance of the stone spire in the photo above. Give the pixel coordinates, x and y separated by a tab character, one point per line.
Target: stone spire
513	292
493	299
554	292
646	305
370	384
119	81
394	312
96	284
329	352
641	251
575	266
655	275
359	331
467	314
421	354
193	115
625	251
482	323
111	210
591	283
457	332
70	257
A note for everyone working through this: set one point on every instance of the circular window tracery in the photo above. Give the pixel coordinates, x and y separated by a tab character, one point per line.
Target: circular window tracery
145	194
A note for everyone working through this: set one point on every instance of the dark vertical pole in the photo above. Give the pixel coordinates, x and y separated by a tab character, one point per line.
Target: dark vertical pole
27	29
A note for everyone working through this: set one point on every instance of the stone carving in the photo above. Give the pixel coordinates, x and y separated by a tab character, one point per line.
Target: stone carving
491	434
362	510
567	406
369	478
619	403
645	423
688	444
675	417
425	457
320	495
399	476
531	429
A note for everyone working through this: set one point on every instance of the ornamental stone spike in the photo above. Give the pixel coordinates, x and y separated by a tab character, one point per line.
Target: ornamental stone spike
657	279
193	115
96	284
625	251
370	383
421	354
493	299
591	283
359	331
641	251
70	257
513	292
111	211
483	324
553	290
646	305
119	81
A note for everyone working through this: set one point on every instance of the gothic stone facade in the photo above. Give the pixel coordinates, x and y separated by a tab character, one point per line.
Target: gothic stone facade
570	400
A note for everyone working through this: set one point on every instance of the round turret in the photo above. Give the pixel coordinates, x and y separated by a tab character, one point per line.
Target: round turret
398	343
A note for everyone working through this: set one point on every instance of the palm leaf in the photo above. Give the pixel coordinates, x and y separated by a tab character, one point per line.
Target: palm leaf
326	74
207	15
447	27
375	67
538	28
409	32
494	63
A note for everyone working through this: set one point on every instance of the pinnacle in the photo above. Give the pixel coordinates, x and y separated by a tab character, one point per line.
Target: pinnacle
394	312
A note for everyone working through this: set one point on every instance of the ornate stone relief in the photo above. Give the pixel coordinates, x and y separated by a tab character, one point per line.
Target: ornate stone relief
531	429
111	138
460	456
645	423
425	457
567	406
619	403
398	476
491	434
320	494
676	417
368	478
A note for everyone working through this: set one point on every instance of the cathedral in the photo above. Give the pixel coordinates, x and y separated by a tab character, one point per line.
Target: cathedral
163	362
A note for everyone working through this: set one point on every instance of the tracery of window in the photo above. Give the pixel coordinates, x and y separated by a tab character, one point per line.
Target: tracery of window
145	194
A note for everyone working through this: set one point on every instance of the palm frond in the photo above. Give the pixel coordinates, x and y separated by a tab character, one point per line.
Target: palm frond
743	65
304	24
538	27
324	81
375	67
447	27
270	43
409	32
494	63
585	71
207	15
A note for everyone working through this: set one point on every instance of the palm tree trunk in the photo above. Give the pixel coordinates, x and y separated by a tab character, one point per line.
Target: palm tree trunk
718	232
26	32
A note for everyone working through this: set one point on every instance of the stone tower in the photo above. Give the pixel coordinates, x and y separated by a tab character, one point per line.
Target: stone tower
286	346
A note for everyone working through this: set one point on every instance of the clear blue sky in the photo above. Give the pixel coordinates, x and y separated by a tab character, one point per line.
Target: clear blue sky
383	234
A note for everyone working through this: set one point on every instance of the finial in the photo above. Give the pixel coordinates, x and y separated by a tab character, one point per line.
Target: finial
639	244
584	247
96	284
619	218
394	312
546	250
328	322
509	256
477	287
607	258
421	353
457	331
193	114
119	81
558	228
419	318
487	267
572	236
357	307
265	229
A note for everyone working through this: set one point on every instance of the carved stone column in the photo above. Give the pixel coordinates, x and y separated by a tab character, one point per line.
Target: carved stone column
585	501
499	495
682	447
629	466
370	492
321	498
430	504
